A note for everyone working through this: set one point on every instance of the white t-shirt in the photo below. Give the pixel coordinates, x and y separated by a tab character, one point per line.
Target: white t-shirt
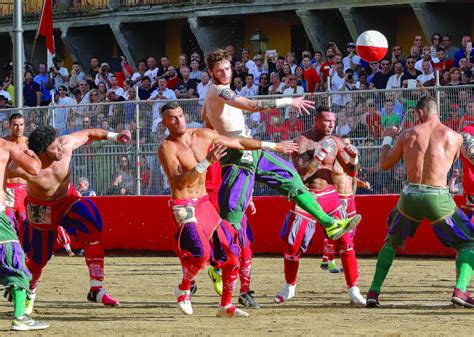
347	65
248	92
202	90
58	80
424	78
6	94
419	63
152	74
61	111
394	81
337	84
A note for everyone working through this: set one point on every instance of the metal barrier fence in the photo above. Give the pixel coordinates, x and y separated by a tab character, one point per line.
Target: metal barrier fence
114	169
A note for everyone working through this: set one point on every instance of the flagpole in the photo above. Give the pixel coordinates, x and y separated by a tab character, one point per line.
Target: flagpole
37	31
18	53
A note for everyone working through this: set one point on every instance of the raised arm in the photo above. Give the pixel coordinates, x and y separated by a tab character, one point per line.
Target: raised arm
176	173
307	165
25	162
247	143
347	157
467	148
228	96
77	139
391	155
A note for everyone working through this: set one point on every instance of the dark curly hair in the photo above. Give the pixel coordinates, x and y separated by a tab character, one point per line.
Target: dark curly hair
216	56
42	137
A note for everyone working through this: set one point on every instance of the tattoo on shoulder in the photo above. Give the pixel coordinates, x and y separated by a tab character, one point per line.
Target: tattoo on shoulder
268	103
227	94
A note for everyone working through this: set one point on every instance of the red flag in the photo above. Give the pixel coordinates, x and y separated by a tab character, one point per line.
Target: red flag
45	29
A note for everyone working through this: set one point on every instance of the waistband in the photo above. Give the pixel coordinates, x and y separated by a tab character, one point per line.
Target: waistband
191	201
328	190
425	188
346	196
71	191
16	185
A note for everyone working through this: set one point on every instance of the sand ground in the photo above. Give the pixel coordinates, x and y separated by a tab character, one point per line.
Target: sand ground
415	299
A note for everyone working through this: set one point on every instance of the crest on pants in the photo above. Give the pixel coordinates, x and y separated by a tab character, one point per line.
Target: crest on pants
38	214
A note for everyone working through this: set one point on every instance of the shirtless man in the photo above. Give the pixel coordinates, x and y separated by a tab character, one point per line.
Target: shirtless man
467	159
52	201
428	150
346	187
185	157
224	111
16	187
14	276
314	161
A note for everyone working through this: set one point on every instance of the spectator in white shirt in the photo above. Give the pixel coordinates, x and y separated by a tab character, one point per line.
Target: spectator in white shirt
427	75
162	93
60	112
152	71
239	85
202	87
294	89
394	80
258	70
250	89
103	75
60	74
276	87
138	76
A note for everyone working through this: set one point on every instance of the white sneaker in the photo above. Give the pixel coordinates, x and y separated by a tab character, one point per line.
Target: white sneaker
183	298
30	301
355	297
231	311
286	293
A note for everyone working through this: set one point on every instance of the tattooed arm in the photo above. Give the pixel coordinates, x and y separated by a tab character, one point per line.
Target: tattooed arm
228	96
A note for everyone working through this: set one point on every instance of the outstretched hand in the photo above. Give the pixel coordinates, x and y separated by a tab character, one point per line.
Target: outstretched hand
286	147
217	151
302	105
124	137
391	131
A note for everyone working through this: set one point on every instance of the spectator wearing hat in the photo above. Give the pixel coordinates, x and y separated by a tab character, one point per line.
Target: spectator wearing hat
31	90
258	70
103	75
59	73
352	60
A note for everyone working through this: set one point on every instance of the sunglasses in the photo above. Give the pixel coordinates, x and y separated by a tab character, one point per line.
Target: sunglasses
385	64
264	78
410	62
60	89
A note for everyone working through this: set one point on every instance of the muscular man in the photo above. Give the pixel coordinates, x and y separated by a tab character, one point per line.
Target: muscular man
14	275
314	161
185	157
346	187
16	187
52	201
240	169
467	159
428	151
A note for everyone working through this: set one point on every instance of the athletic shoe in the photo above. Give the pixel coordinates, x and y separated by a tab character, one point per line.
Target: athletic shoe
355	297
372	299
216	278
342	226
183	298
26	323
286	293
324	265
100	296
333	268
462	298
231	311
82	252
29	302
248	301
70	253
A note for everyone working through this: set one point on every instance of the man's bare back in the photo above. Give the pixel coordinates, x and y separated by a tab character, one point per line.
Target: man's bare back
429	149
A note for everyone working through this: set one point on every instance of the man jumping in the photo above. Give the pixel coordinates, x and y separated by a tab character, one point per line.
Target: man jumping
201	234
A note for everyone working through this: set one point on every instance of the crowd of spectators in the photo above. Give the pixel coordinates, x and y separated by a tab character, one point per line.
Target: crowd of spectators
72	97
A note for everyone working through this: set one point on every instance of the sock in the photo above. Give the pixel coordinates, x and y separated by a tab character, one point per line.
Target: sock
94	256
329	249
229	279
349	263
464	264
35	270
307	202
67	247
291	271
19	298
384	262
245	272
189	273
185	284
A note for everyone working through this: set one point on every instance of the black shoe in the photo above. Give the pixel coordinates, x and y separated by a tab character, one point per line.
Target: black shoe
248	301
193	289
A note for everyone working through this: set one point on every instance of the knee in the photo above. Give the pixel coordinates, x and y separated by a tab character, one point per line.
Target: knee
394	241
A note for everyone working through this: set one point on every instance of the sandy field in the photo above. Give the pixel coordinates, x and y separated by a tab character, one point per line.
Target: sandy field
415	299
